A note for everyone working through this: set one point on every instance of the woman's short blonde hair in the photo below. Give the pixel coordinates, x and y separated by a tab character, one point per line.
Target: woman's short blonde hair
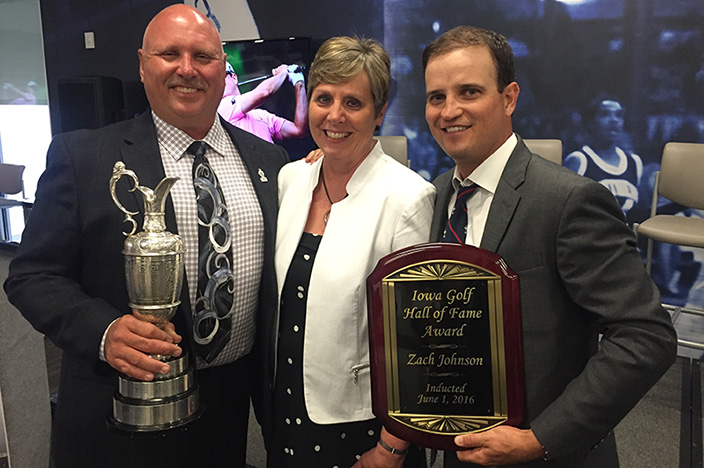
340	59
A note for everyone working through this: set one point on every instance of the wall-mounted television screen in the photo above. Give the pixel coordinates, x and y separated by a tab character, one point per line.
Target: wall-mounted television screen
253	61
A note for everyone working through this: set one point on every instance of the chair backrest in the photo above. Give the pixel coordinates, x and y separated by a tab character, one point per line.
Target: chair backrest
396	147
682	174
550	149
11	178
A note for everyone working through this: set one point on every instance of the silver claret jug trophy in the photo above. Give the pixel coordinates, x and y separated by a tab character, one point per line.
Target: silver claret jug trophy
154	271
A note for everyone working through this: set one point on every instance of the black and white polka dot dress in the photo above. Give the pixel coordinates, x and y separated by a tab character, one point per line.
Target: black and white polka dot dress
299	442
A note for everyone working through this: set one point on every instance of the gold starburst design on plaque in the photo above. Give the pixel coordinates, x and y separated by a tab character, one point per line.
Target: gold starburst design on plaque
437	270
448	424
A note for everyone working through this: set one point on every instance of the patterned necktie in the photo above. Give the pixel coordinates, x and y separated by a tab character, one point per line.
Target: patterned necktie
456	230
213	316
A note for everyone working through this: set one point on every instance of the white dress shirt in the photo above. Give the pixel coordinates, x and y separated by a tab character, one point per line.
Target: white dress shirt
486	176
246	227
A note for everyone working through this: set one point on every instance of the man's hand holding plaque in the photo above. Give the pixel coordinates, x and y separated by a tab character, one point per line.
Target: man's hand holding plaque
502	445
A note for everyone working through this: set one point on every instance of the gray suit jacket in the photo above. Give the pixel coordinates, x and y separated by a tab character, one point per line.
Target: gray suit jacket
68	278
580	276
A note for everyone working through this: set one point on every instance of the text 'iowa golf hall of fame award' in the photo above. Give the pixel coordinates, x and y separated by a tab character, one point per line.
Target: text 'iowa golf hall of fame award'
154	273
445	334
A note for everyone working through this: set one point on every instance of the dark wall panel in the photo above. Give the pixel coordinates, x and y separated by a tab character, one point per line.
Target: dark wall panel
118	29
90	102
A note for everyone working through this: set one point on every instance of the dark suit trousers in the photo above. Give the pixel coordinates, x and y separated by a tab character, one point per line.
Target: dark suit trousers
216	440
225	390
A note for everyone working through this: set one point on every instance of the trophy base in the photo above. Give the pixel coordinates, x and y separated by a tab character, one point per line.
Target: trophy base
169	402
135	418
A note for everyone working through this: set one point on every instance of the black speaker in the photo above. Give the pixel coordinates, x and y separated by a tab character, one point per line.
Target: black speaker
90	102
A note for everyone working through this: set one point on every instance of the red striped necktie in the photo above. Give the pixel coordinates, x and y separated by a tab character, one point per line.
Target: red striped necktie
456	229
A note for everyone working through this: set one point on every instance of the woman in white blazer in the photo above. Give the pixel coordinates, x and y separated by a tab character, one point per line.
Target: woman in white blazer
337	218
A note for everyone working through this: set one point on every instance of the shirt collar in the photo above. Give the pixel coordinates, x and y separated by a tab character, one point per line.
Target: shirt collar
488	173
175	141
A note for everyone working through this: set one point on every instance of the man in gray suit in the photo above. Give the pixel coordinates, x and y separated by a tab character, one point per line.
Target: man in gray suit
579	271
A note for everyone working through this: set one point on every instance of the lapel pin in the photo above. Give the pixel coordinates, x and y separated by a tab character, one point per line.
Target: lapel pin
262	176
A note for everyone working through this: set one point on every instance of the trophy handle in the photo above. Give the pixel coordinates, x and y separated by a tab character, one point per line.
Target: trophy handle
118	171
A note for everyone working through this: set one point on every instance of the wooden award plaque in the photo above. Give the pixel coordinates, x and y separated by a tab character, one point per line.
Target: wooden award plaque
445	343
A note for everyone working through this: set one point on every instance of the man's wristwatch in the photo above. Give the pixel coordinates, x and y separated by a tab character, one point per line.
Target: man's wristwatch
390	449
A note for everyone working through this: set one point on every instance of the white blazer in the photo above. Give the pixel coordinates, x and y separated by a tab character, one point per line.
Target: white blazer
389	207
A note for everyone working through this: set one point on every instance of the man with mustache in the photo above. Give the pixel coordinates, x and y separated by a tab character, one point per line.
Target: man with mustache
595	336
68	275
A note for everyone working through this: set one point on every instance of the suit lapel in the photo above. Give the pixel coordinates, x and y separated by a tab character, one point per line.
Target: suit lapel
506	198
443	184
140	153
139	150
261	172
252	159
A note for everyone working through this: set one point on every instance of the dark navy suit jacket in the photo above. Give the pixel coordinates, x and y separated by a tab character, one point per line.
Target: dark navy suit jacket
68	277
